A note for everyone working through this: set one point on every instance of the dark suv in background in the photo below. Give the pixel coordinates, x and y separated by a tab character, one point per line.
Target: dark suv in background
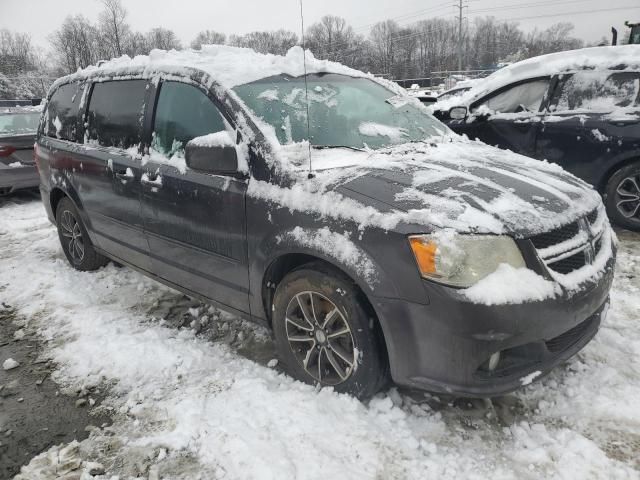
579	109
405	250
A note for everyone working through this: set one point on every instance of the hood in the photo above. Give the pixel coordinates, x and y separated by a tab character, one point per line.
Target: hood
465	185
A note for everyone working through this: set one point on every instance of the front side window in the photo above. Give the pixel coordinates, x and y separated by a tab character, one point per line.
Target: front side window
116	113
525	97
343	111
598	91
61	117
19	123
183	113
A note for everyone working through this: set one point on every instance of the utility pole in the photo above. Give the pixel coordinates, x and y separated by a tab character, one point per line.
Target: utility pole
460	6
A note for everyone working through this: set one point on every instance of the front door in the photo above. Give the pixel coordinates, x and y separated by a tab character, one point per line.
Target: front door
591	123
508	118
195	222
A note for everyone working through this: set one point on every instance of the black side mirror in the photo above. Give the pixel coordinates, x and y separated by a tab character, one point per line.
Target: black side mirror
215	153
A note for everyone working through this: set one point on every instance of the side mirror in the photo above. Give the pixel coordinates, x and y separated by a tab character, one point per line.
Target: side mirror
458	113
213	153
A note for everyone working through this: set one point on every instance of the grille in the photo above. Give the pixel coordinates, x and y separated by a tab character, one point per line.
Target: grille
562	234
568	338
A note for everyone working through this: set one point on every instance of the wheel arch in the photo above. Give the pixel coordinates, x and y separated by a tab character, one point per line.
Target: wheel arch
291	261
57	193
287	262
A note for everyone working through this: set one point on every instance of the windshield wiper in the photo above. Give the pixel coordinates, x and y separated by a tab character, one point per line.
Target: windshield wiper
323	147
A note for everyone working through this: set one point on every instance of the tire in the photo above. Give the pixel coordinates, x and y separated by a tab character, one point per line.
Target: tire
75	241
622	197
325	337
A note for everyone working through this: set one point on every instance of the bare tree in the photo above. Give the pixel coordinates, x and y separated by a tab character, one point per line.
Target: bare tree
113	27
384	46
162	38
137	44
76	43
208	37
16	52
330	37
277	42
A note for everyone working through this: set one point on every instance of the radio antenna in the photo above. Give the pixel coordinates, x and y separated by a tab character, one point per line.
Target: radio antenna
306	88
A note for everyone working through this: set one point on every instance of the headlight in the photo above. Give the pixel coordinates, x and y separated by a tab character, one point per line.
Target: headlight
462	260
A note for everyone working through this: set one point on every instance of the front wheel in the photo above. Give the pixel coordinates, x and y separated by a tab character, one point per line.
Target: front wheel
74	239
623	197
324	334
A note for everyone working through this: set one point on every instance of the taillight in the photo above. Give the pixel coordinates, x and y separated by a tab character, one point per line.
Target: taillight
6	150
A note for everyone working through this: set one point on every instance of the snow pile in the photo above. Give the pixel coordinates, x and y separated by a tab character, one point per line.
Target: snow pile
544	65
511	285
338	246
218	139
371	129
526	380
192	408
229	66
10	364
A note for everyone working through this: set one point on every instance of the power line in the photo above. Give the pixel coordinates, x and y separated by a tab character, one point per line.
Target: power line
564	14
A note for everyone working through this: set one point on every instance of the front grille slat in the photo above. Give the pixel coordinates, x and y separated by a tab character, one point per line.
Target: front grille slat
569	264
559	235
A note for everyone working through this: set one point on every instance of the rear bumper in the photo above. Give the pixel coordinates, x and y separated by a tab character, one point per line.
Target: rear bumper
445	346
18	178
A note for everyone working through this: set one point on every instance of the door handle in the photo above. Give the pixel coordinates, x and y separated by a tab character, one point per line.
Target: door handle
125	175
152	179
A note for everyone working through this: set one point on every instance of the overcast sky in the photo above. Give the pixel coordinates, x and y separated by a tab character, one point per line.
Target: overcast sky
187	17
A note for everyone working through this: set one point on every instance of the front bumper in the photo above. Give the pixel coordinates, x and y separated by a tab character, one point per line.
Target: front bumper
444	346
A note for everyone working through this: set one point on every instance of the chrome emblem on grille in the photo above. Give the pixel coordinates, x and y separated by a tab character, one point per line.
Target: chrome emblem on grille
590	248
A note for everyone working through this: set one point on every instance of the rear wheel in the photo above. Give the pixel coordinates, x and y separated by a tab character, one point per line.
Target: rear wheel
324	334
74	239
623	197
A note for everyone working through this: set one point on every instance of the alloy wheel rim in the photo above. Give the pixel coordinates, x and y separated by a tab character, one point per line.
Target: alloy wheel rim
320	338
72	233
628	198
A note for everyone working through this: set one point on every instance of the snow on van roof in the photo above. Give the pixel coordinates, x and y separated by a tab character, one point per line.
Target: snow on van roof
229	66
585	58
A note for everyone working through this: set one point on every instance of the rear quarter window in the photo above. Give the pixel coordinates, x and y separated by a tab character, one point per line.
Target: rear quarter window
598	91
61	116
116	113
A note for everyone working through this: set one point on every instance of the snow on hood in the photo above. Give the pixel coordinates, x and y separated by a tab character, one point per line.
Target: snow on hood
453	183
601	58
229	66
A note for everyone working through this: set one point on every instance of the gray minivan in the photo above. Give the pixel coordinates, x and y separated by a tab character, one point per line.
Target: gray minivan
331	207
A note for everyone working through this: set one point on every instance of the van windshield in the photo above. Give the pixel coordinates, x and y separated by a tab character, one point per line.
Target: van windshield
343	111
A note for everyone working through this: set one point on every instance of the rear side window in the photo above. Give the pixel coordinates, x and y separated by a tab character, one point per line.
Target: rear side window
116	113
61	117
525	97
598	91
183	113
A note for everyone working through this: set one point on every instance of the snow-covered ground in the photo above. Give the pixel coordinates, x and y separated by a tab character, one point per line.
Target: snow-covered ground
194	393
